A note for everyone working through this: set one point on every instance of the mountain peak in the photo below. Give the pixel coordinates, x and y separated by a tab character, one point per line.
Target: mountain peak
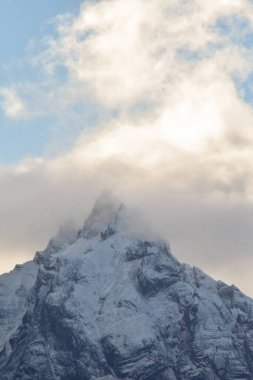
110	216
104	215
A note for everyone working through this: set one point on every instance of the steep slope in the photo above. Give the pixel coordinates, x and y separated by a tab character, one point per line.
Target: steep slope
110	303
14	288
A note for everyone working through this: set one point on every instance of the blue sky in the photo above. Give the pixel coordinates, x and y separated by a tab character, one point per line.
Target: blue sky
21	22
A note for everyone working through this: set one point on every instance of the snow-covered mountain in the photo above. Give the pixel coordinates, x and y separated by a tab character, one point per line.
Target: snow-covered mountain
108	302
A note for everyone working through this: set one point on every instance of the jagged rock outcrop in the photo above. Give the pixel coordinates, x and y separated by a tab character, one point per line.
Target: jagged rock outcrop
108	302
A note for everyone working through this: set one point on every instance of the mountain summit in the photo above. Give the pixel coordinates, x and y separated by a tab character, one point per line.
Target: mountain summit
111	302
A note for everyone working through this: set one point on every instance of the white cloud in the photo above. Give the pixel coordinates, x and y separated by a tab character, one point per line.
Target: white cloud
180	144
11	104
128	52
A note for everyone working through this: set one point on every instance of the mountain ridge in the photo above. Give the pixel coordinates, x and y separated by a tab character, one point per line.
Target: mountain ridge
107	302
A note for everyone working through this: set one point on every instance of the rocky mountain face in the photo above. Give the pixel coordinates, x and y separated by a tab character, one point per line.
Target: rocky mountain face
109	302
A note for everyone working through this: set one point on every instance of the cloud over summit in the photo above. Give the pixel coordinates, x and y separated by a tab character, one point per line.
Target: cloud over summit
173	132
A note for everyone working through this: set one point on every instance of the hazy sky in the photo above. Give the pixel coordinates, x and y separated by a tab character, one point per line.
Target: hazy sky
152	99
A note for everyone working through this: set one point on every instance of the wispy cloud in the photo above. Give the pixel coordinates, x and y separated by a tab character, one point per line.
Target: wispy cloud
176	138
11	104
125	53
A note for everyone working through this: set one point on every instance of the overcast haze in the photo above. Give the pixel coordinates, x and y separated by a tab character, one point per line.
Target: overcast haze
152	99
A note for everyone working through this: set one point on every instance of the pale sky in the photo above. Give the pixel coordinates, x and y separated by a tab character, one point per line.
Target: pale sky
150	99
20	23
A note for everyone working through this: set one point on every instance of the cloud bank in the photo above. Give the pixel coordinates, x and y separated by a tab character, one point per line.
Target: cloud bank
173	132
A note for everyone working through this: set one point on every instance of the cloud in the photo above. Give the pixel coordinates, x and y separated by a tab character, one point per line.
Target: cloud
11	104
176	136
125	53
